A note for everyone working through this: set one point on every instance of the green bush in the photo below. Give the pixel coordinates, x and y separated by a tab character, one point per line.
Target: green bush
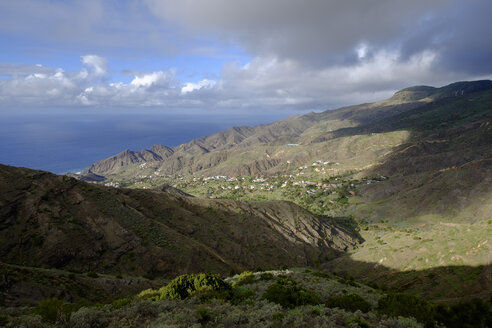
53	310
121	302
89	317
266	276
286	293
152	294
357	322
395	305
277	316
349	302
475	313
92	274
246	277
183	286
348	281
204	316
241	294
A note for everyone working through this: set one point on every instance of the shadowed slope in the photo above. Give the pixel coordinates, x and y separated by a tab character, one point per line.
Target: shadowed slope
58	222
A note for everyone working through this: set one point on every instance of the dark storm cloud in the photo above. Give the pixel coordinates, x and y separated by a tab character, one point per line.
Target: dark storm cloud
324	32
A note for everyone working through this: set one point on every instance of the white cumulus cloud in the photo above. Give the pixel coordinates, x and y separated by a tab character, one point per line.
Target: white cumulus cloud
155	78
262	83
203	84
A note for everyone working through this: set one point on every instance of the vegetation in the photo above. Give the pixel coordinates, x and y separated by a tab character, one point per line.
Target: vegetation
293	298
395	305
183	286
474	313
287	293
55	310
349	302
286	300
408	176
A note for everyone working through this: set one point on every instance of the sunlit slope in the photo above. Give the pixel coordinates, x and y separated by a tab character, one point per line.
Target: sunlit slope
281	146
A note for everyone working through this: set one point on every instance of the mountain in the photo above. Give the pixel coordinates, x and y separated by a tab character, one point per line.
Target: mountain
415	171
434	145
265	149
50	222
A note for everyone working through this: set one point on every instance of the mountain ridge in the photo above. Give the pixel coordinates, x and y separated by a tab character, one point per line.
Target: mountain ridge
207	154
57	222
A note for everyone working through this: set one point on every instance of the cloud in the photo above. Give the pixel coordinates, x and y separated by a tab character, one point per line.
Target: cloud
203	84
284	83
262	83
99	65
161	78
123	27
324	32
305	55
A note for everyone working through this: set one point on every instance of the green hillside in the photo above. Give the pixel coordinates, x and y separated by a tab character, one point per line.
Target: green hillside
414	171
382	212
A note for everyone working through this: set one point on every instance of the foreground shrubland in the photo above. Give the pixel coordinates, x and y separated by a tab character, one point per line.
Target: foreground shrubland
287	298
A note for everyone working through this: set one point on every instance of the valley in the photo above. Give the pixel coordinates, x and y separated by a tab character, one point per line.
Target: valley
374	199
414	168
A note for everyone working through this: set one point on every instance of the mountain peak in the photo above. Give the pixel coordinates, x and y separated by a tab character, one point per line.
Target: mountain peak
450	90
414	93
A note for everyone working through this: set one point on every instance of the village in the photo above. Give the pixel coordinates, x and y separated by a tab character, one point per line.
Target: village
316	187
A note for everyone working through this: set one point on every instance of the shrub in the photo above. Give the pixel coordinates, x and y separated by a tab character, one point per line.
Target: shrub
286	293
183	286
152	294
92	274
400	322
475	313
266	276
357	322
349	302
89	318
348	281
395	305
321	274
278	316
29	321
241	294
121	302
246	277
204	316
53	310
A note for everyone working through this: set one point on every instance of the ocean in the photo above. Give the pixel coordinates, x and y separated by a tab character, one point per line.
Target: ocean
68	140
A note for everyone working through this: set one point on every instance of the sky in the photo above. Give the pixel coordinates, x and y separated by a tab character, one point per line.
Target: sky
242	55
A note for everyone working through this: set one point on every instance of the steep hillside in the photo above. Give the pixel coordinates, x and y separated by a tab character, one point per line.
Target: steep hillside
280	146
444	169
414	171
57	222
